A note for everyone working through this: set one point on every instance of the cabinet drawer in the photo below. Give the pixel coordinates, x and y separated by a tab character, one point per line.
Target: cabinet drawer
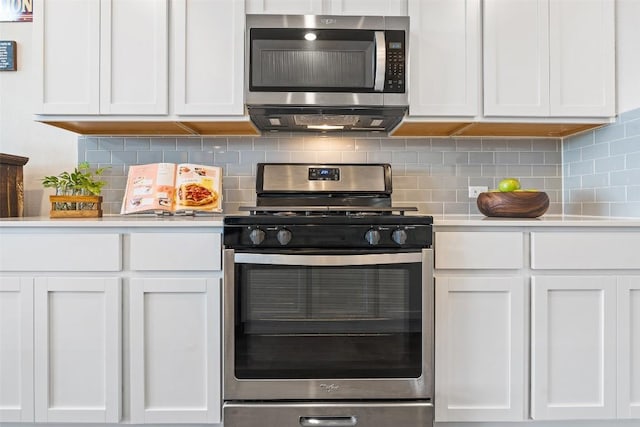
479	250
60	252
590	250
176	251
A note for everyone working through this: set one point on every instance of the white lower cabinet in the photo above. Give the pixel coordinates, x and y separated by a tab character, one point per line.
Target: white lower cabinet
16	349
175	350
629	347
573	364
77	352
480	348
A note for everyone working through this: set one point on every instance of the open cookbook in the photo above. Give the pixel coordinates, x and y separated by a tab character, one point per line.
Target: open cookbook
170	188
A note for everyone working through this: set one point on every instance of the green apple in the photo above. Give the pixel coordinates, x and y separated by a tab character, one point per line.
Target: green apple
509	184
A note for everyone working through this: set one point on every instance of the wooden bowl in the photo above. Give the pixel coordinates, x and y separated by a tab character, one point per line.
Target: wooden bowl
517	204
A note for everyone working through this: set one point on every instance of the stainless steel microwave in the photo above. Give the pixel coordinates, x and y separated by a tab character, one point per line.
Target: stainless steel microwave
321	60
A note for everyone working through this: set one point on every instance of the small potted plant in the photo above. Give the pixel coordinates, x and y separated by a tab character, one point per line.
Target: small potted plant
77	193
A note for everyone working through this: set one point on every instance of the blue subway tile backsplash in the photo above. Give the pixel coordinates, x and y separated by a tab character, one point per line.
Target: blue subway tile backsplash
593	173
430	173
602	169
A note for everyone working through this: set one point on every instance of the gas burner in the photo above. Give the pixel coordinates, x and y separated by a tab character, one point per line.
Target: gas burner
326	210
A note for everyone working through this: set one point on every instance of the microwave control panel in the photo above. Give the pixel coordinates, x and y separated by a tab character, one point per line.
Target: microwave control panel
395	72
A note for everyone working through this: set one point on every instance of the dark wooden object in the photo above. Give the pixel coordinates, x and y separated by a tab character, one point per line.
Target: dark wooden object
517	204
11	185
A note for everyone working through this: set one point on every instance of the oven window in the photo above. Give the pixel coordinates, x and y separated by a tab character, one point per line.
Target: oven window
328	322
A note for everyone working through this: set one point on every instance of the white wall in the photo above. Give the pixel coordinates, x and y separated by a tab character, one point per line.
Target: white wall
50	150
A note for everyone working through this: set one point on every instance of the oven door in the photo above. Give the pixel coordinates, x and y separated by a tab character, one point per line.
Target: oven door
328	326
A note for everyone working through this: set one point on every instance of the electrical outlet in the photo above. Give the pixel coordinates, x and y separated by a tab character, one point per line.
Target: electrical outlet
474	191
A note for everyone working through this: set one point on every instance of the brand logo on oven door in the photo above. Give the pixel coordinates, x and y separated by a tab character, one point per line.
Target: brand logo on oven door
328	21
329	388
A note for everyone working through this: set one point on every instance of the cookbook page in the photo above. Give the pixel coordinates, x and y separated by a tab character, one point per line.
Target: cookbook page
198	188
150	188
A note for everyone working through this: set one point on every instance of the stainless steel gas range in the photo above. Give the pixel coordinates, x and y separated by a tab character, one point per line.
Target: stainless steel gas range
328	302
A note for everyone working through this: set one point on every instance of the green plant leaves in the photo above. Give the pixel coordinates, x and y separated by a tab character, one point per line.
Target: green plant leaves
82	181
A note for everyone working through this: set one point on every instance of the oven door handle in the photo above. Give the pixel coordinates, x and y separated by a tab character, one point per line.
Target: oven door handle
328	260
328	421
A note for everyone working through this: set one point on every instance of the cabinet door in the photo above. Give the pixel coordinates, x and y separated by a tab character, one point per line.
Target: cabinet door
516	58
480	349
573	350
369	7
16	349
582	49
629	347
134	57
444	73
208	40
175	350
286	7
77	349
67	44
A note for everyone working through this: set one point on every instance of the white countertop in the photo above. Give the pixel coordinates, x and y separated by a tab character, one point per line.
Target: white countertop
217	221
543	221
116	221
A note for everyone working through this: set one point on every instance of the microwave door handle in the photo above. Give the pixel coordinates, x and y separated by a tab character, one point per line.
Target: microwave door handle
381	61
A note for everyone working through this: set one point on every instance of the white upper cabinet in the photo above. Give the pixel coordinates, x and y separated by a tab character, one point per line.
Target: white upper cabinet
328	7
67	40
285	7
102	56
134	52
549	58
369	7
516	58
208	58
444	64
582	54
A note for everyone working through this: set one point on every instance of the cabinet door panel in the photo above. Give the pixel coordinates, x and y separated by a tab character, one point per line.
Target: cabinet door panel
77	349
176	251
585	250
16	349
67	39
582	53
286	7
445	57
516	58
175	350
209	56
573	347
479	349
629	347
134	51
480	250
369	7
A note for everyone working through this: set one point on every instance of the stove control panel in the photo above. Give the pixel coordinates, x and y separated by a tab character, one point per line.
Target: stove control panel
355	234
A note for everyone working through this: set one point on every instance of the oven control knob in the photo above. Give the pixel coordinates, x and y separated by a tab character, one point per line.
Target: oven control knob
372	236
256	236
284	236
399	236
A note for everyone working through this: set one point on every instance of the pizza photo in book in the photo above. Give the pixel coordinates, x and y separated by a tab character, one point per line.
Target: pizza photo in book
173	188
